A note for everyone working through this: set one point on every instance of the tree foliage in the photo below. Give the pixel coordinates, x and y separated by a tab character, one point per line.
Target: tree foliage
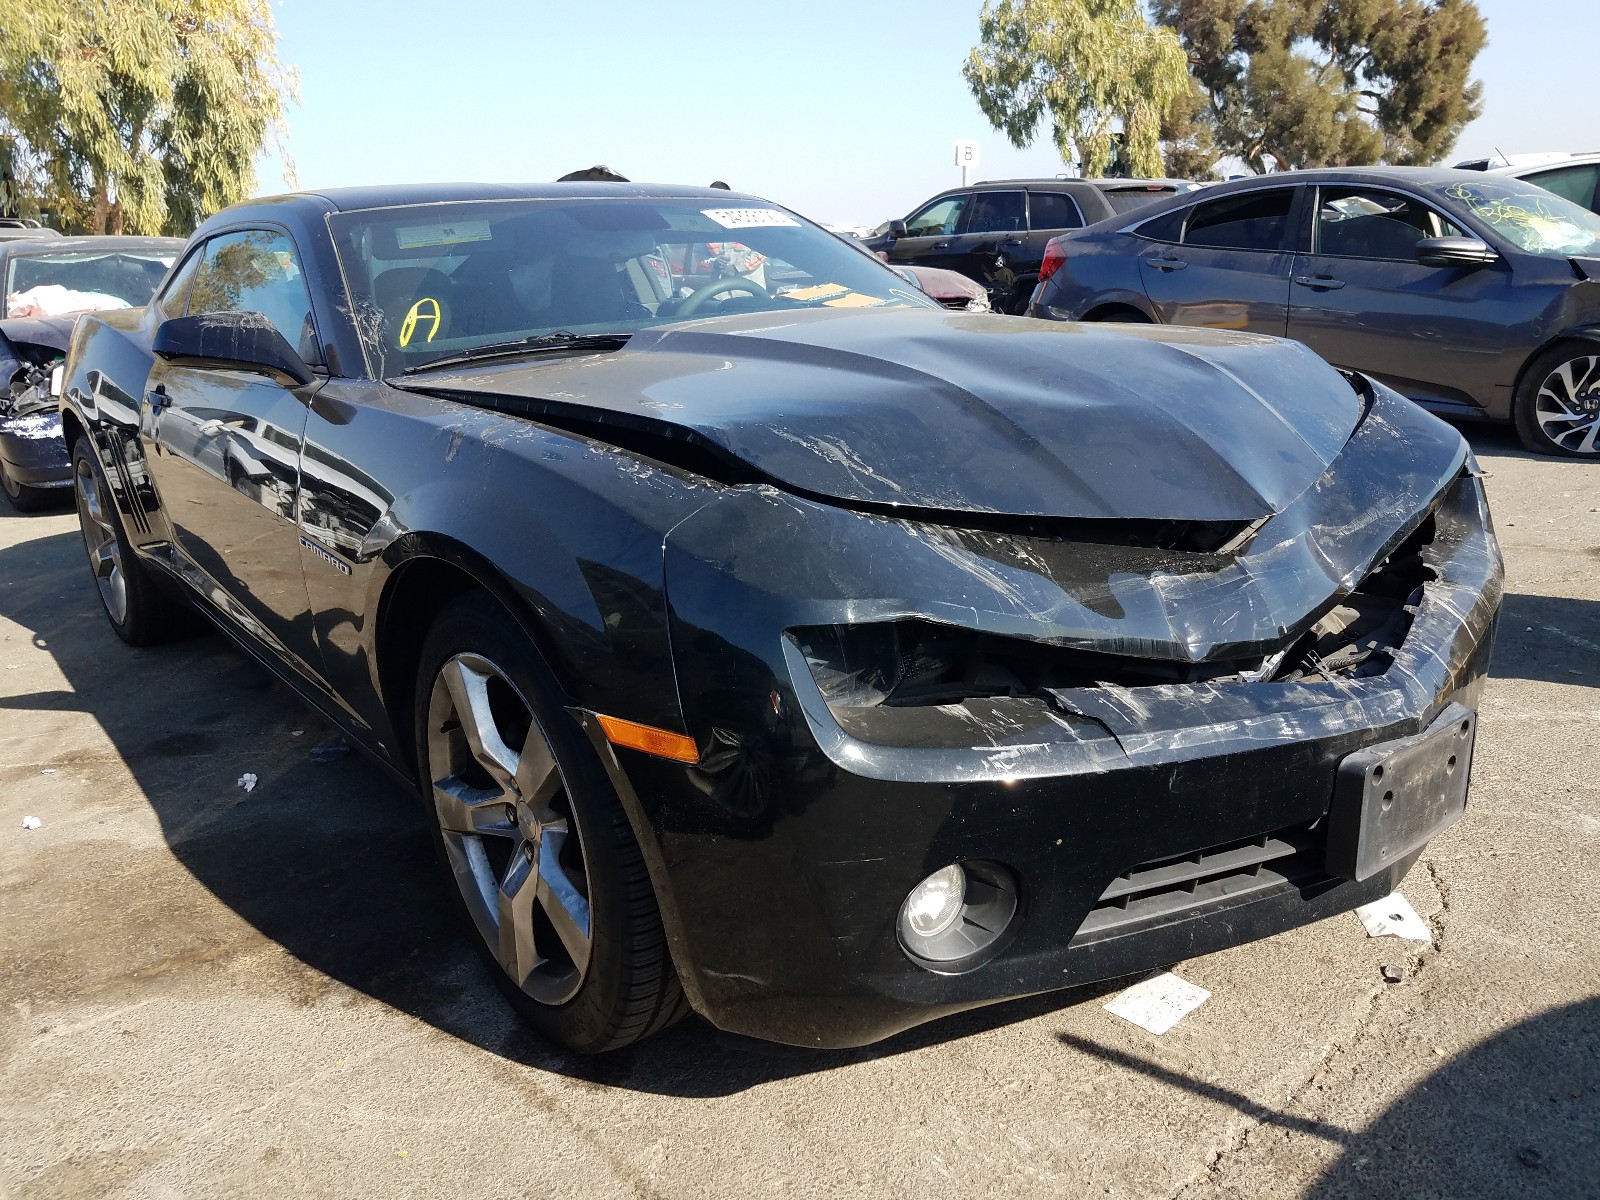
1310	83
138	116
1089	66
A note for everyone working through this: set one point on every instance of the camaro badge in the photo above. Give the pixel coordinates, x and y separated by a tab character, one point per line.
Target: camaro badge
426	309
331	559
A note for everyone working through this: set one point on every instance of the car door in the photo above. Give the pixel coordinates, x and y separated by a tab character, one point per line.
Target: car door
991	243
1230	270
1362	300
932	232
225	447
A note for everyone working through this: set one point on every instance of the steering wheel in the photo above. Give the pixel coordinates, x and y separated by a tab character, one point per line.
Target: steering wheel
731	283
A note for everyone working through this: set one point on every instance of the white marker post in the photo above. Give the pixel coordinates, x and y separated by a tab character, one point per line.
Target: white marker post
967	160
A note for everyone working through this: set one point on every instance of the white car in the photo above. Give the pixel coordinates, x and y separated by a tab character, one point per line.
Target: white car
1574	177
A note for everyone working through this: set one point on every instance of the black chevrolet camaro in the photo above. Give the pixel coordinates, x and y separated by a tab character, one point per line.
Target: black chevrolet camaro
765	640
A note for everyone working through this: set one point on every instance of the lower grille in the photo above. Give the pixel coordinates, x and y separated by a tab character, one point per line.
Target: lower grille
1165	890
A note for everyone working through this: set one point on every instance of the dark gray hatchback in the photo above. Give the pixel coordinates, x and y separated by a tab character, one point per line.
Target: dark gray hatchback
1473	295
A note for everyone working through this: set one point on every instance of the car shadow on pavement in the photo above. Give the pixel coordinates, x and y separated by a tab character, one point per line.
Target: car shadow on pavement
1516	1115
1553	639
330	859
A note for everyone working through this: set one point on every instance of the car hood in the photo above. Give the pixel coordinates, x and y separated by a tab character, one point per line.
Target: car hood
967	412
52	333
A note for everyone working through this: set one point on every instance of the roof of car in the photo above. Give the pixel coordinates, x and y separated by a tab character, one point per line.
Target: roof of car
1424	177
352	199
1104	183
1572	160
66	245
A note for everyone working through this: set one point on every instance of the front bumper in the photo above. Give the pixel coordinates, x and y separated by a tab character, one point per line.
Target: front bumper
782	860
34	450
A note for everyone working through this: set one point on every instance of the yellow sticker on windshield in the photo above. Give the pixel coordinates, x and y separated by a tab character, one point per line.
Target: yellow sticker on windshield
426	309
816	291
853	300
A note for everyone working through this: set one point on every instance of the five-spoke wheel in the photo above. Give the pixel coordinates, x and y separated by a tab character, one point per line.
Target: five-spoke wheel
539	849
507	827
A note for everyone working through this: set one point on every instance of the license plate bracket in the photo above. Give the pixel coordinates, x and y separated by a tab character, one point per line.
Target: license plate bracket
1390	799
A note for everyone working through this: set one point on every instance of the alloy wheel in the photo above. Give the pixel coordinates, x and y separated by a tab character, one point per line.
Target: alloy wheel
1567	406
101	541
513	846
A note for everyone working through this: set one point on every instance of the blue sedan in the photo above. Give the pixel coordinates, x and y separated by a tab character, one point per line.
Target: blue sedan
1473	295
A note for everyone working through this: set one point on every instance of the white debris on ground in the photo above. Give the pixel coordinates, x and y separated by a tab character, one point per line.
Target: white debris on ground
1393	916
31	823
248	781
1158	1003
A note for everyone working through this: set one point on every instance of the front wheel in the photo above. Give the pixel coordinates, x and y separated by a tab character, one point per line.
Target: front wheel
1557	407
542	857
139	612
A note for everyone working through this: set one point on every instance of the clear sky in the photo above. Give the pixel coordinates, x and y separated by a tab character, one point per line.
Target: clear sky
844	111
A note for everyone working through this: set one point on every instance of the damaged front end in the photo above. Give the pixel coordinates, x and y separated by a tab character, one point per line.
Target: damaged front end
1133	737
33	453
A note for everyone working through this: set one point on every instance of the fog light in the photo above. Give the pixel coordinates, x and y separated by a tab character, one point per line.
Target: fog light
935	904
956	914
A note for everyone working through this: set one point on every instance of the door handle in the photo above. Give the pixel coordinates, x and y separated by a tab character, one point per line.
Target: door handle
1323	283
941	245
1012	241
157	396
1168	264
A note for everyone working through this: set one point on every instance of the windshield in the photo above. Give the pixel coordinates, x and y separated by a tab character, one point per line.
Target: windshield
47	285
436	281
1529	217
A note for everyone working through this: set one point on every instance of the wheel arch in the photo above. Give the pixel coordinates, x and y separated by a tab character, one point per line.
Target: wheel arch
1589	334
1105	311
428	572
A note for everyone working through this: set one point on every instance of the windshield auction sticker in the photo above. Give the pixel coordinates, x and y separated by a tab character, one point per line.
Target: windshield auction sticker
414	237
750	218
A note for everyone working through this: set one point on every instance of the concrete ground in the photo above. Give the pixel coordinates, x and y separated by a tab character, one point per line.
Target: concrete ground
208	992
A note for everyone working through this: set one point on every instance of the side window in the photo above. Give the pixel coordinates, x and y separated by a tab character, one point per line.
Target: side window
1053	210
1168	227
1570	183
940	217
996	212
175	296
257	270
1253	221
1368	223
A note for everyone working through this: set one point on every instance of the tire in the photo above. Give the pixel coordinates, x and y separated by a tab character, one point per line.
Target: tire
1557	406
24	498
140	612
585	962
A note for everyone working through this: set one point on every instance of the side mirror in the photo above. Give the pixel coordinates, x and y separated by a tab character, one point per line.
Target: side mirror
1455	252
897	229
232	339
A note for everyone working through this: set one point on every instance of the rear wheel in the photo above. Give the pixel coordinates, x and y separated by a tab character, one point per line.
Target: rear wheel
22	497
1557	407
542	858
140	612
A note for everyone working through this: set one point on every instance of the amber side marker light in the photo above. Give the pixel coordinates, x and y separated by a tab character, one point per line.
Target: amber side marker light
661	742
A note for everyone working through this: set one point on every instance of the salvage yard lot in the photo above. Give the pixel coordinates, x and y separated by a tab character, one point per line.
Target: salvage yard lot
206	991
